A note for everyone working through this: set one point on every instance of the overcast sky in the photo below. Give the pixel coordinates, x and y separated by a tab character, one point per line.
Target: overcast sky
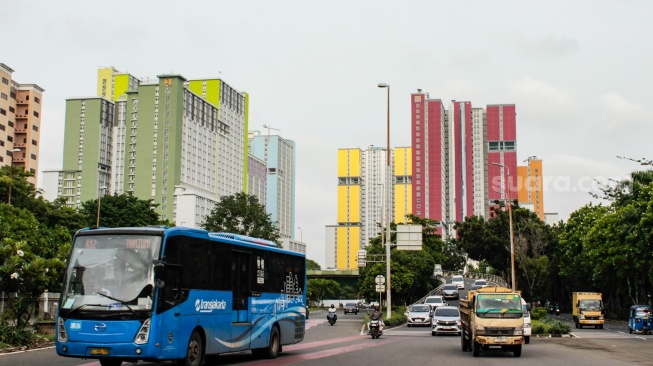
579	73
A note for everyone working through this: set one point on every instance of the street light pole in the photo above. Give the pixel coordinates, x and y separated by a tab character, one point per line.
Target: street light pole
388	239
99	197
301	235
512	240
11	173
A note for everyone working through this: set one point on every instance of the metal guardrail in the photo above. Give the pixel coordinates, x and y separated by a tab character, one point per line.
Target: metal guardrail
490	278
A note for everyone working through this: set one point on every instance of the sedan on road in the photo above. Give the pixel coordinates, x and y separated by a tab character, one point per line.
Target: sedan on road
419	314
450	291
446	320
350	307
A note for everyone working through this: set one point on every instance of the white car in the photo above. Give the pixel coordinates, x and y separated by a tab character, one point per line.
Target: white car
459	281
481	282
527	323
446	320
419	314
435	301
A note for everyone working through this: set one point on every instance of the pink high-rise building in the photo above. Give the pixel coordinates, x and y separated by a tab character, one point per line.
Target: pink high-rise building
454	152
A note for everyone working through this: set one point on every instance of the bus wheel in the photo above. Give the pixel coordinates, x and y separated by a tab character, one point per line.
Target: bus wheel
194	351
273	349
110	362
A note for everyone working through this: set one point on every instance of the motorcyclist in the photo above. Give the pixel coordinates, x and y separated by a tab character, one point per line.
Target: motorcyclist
332	310
377	314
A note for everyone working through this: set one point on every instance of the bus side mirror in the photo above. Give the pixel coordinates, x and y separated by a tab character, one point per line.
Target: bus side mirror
159	269
158	283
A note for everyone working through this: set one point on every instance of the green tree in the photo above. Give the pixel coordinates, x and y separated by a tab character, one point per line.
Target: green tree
241	213
27	266
411	271
121	210
312	265
319	289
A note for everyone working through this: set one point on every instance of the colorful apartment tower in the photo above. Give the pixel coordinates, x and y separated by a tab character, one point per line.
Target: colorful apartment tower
279	157
453	155
156	139
20	123
362	204
529	185
501	152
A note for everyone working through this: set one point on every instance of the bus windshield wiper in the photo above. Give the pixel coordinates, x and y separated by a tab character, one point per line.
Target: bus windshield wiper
123	302
81	306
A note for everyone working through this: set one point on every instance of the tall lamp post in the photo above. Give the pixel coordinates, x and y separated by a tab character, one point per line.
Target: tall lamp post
512	240
388	209
11	173
301	235
99	197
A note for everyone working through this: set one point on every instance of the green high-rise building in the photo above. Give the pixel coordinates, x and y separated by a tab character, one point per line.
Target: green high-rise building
180	143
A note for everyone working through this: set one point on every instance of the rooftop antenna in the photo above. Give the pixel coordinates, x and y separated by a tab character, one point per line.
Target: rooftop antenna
271	128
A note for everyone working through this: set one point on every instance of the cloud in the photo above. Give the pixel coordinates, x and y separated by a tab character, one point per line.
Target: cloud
543	101
546	46
618	113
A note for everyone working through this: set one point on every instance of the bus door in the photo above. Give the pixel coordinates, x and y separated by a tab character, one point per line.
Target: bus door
240	285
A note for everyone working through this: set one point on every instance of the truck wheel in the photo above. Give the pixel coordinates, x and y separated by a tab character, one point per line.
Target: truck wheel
601	326
463	343
476	349
517	351
527	339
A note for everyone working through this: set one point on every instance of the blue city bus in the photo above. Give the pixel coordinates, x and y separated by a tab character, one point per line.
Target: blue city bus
158	293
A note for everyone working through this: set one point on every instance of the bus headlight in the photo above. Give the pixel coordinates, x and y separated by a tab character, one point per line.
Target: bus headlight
581	316
62	335
143	334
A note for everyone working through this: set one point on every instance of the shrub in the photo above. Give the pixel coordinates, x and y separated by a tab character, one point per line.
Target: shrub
15	336
537	328
549	326
538	313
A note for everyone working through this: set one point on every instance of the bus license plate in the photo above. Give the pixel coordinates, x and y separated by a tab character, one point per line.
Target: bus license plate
501	339
100	351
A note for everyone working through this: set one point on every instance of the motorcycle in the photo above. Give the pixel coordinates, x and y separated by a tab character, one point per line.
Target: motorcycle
375	328
557	310
332	317
551	309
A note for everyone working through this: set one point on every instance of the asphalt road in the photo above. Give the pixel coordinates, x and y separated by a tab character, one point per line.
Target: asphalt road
346	343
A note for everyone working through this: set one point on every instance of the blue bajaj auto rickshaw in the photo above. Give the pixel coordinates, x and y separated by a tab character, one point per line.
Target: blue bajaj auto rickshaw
640	319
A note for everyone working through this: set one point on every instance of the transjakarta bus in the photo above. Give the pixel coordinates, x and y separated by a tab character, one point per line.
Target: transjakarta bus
155	293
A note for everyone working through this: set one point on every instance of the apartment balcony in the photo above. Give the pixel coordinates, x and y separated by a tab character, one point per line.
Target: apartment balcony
21	116
20	130
21	102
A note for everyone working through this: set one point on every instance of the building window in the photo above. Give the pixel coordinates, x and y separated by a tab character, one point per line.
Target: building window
37	100
34	142
2	127
12	110
11	124
5	81
35	128
33	156
3	95
36	114
3	112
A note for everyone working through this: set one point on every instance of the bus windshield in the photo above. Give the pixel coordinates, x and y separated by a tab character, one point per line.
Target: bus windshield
110	273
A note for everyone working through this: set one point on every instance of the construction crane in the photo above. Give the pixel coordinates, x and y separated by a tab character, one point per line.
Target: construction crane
271	128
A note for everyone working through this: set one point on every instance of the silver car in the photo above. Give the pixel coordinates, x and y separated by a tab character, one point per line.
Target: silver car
450	291
446	320
419	314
